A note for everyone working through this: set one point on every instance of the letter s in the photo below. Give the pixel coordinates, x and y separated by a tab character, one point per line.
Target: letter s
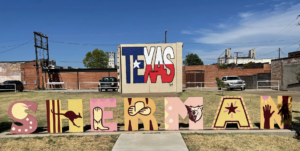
16	111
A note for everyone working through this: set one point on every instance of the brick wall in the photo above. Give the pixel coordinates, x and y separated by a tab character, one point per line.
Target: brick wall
73	78
70	78
211	72
30	75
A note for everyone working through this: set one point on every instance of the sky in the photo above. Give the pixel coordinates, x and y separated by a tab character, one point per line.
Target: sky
206	27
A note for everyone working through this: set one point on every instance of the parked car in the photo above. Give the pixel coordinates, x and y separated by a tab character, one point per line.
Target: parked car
114	85
19	85
233	82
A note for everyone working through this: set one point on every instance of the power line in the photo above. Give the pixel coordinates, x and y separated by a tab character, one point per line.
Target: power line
10	45
14	40
16	46
282	30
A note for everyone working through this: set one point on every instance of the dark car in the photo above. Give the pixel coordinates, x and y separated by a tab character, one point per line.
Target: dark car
106	85
6	85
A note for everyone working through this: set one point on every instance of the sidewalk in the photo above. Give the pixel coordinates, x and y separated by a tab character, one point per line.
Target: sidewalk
150	142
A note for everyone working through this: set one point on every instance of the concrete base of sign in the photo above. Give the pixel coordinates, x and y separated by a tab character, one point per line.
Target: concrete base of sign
284	132
155	142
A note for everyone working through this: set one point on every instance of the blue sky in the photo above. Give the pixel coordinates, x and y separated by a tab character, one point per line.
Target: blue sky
213	24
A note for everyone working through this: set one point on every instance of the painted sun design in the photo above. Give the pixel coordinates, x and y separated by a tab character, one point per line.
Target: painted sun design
265	99
231	109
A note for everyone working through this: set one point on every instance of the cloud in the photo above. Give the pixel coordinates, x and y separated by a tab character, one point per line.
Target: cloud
199	31
245	15
186	32
254	30
221	25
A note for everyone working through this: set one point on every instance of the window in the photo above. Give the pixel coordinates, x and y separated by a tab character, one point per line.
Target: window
224	79
233	78
106	80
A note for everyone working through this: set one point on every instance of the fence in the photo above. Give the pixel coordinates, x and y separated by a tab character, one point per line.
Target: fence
15	87
57	83
268	85
202	85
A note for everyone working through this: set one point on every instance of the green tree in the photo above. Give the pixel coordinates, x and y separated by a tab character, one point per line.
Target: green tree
192	59
96	59
221	84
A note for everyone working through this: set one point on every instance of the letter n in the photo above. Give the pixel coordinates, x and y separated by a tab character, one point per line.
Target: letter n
139	108
281	113
55	115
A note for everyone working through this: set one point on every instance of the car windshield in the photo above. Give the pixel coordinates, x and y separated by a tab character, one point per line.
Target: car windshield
106	79
233	78
111	79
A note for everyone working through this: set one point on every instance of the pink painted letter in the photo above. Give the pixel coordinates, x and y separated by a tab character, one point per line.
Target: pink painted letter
16	111
193	107
98	115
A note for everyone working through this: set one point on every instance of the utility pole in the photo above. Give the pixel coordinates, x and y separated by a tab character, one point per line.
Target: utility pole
166	36
41	46
237	55
279	53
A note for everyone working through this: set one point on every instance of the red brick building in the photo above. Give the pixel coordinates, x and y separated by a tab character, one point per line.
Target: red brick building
210	72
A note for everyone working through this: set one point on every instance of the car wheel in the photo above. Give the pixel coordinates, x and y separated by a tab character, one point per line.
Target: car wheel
219	88
21	90
231	89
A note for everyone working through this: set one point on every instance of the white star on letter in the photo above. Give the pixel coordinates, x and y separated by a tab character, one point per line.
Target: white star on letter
136	64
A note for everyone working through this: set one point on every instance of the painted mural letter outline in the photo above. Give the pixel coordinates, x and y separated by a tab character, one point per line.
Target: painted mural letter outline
281	113
16	111
99	115
232	109
193	107
139	108
55	115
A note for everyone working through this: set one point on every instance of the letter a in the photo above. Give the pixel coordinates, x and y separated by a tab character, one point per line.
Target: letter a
232	109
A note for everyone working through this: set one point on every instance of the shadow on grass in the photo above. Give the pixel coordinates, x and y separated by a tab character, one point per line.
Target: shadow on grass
5	126
140	126
275	125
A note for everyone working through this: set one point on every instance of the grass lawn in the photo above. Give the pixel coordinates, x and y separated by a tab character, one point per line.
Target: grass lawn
211	102
236	142
103	143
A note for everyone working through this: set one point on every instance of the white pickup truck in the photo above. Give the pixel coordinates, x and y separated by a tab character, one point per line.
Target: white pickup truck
233	82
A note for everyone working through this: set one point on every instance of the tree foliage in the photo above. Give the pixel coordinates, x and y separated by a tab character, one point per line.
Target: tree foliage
96	59
221	84
192	59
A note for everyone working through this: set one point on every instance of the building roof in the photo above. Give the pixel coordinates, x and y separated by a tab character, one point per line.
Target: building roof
15	61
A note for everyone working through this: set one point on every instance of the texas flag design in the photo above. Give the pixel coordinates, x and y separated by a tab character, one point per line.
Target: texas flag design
161	61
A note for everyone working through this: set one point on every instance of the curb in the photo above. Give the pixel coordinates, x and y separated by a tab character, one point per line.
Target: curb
206	131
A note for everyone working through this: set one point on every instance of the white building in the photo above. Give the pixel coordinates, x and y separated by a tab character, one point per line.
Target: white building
111	60
228	59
